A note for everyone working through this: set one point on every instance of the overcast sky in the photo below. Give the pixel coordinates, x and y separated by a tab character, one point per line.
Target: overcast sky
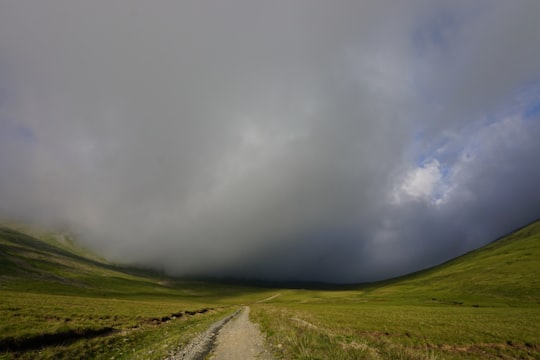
339	141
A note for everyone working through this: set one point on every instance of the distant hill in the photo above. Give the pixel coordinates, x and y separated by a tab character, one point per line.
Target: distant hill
506	271
54	263
47	262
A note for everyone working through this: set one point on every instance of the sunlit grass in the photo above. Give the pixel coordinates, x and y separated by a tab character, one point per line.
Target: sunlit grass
147	340
485	304
399	331
57	303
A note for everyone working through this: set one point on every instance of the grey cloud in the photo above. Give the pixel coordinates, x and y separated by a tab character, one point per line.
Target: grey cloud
262	139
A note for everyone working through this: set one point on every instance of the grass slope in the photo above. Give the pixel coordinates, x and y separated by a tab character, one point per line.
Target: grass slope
57	300
482	305
505	271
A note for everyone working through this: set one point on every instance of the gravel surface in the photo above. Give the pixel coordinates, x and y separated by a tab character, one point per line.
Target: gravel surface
231	338
240	339
202	344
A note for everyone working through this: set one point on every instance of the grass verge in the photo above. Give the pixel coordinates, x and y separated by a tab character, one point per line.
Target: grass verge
399	331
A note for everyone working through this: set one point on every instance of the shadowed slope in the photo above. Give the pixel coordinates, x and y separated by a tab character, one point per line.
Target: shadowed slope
58	265
505	270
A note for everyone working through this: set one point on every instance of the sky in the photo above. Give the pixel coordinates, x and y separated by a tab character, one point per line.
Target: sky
337	141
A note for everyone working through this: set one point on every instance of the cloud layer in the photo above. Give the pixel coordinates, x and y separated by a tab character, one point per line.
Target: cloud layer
287	140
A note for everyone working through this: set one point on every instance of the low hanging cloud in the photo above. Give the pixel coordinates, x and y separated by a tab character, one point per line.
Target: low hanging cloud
298	140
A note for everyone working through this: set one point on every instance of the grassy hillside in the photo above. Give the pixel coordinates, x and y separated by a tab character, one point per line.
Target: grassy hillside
483	305
57	300
54	264
505	271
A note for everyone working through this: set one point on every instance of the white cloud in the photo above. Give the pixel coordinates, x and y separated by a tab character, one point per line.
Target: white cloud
421	183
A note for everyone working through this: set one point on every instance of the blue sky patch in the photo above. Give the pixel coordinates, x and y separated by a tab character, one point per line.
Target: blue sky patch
533	111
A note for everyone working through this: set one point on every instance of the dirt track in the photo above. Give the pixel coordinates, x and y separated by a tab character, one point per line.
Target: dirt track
240	339
231	338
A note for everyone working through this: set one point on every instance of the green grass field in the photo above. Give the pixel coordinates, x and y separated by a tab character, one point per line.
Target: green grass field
482	305
58	300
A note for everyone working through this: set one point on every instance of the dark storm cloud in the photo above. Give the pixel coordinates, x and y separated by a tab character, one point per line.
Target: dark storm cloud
341	141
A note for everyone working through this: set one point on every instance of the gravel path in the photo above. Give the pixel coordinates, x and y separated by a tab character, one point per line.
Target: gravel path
231	338
202	344
240	339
